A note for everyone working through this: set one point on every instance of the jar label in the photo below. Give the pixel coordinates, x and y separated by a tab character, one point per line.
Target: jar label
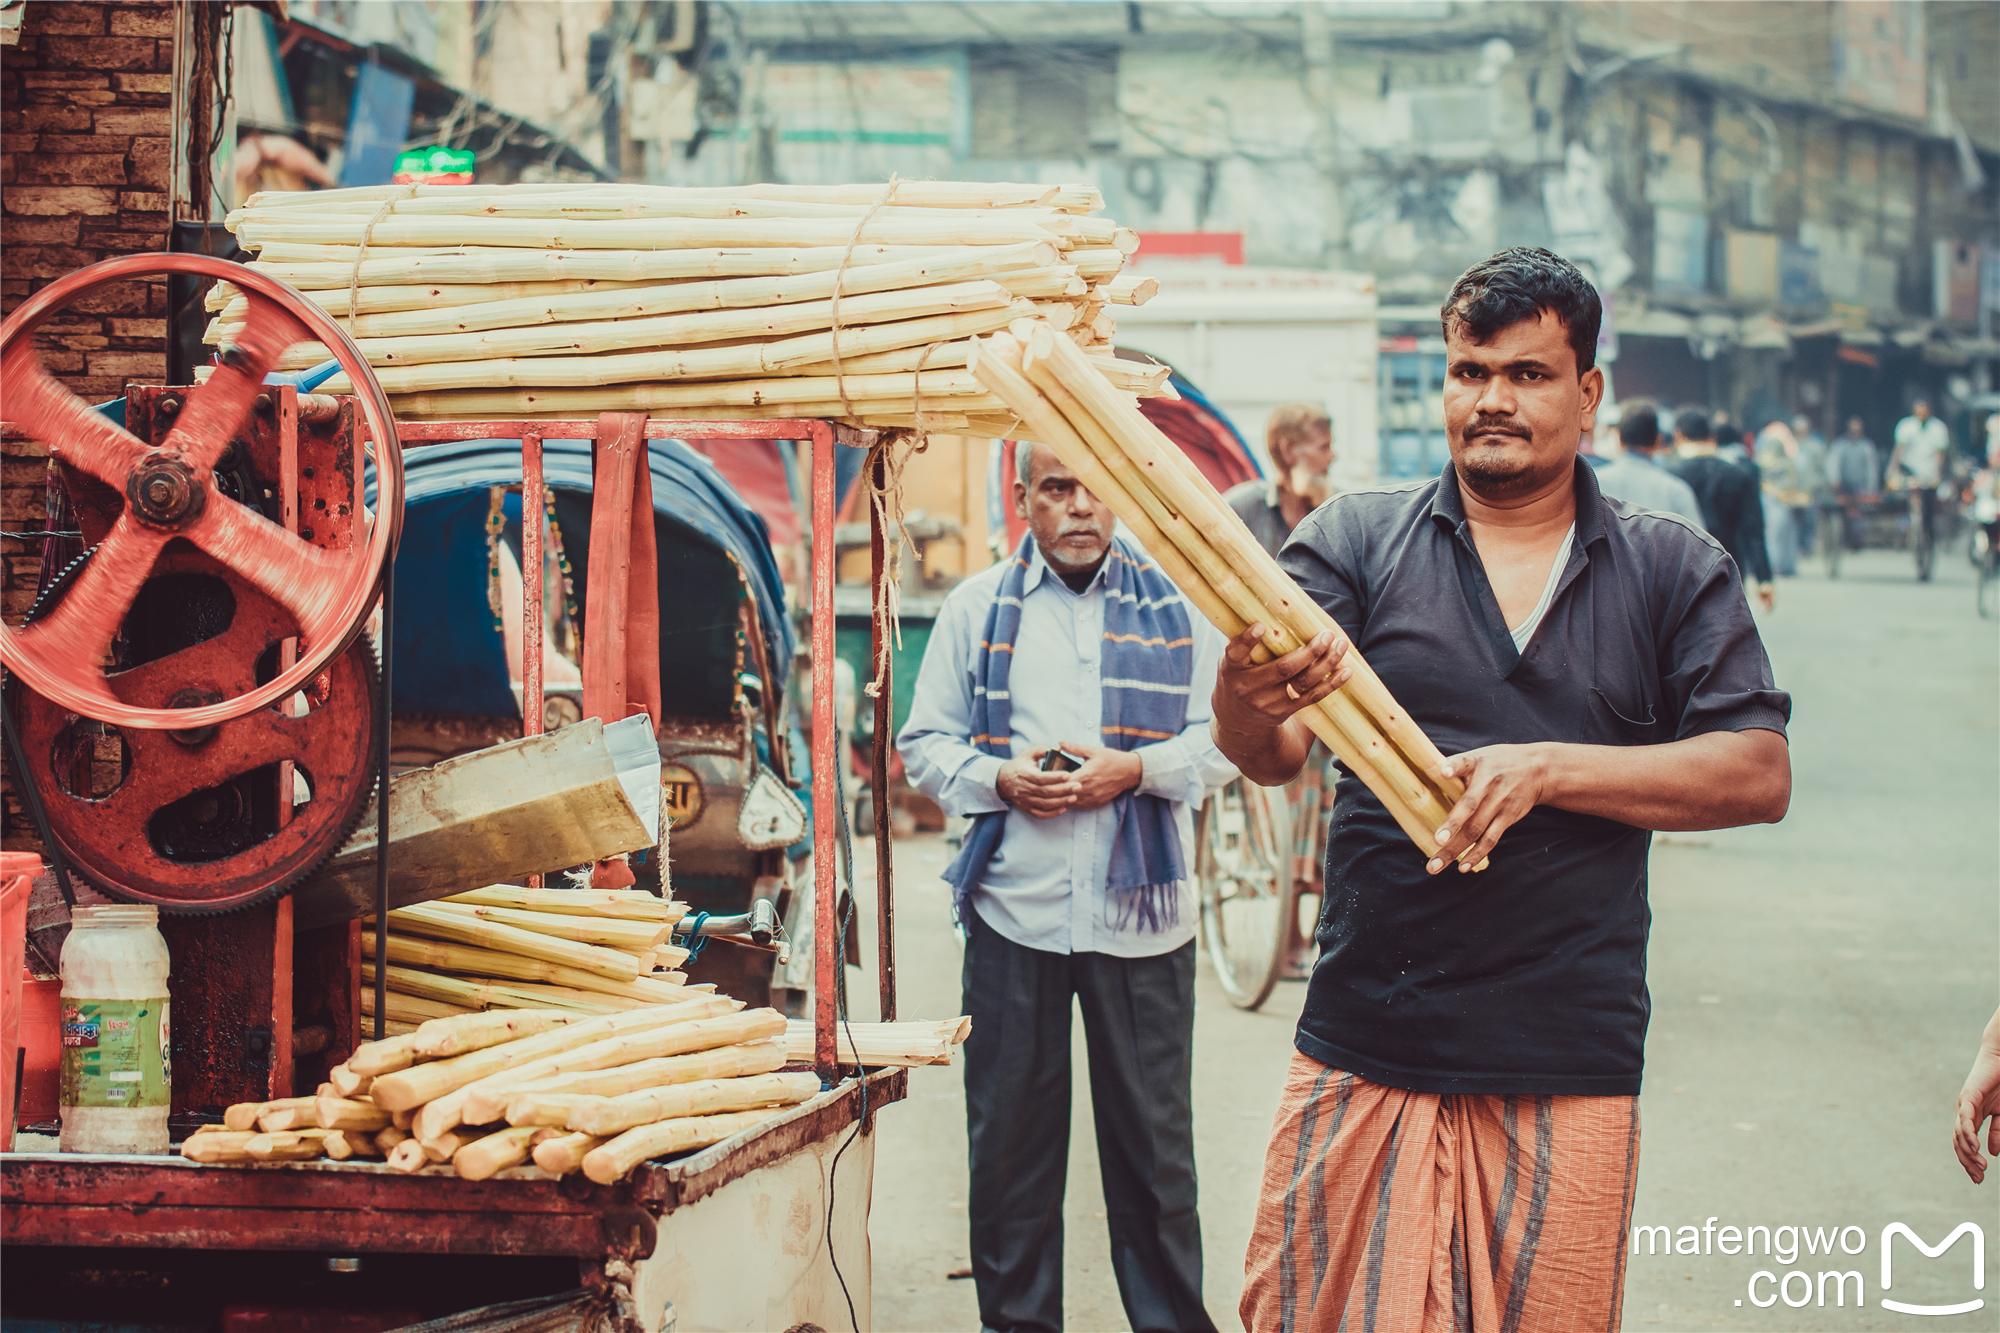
114	1053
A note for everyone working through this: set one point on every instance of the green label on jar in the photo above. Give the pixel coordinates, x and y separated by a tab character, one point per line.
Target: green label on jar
114	1053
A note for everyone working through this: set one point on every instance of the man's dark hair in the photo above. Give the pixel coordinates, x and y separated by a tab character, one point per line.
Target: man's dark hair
1727	433
1691	423
1639	426
1518	284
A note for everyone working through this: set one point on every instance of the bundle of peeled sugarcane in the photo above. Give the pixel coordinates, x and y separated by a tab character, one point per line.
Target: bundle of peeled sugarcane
1211	556
850	302
582	951
883	1045
489	1091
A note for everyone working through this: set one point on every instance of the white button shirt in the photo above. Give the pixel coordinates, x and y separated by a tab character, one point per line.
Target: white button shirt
1045	886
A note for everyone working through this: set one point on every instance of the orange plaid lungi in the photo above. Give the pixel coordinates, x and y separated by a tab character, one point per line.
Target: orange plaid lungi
1387	1211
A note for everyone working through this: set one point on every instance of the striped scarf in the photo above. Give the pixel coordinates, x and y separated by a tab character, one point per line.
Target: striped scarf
1146	664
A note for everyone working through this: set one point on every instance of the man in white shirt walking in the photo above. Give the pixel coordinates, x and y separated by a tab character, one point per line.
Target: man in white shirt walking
1073	888
1923	442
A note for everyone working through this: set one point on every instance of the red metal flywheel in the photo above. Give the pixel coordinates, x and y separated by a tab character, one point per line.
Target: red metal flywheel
166	814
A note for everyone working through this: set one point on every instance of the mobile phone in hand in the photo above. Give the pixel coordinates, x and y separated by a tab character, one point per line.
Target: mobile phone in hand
1059	760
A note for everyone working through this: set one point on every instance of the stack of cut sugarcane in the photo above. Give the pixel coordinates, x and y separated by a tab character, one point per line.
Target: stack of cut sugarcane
1206	550
883	1045
485	1092
582	951
850	302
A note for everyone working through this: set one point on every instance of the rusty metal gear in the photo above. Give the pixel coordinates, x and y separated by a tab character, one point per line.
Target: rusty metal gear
189	820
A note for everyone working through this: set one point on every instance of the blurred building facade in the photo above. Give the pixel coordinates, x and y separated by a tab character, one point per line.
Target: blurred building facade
1789	205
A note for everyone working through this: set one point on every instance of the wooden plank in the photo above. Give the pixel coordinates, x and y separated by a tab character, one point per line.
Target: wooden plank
537	804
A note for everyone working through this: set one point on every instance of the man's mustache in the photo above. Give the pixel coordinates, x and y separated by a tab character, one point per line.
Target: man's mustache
1502	426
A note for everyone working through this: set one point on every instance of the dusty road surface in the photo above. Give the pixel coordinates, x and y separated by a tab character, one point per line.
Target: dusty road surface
1818	988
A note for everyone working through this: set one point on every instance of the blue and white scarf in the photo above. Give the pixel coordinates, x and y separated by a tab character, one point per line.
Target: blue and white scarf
1147	667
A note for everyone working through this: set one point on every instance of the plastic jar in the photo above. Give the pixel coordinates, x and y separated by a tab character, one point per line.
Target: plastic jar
115	1071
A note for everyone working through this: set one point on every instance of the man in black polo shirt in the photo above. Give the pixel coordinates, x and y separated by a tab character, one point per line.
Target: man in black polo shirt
1457	1142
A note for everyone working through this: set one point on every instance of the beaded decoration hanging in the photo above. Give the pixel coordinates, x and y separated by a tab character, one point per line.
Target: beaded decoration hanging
571	647
496	526
556	569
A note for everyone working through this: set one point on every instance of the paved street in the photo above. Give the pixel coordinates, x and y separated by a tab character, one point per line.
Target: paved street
1818	988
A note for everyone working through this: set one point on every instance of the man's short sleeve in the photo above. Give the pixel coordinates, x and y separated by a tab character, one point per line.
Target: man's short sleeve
1319	561
1713	666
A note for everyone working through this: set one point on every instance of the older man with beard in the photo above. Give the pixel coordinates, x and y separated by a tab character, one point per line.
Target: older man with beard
1073	889
1457	1140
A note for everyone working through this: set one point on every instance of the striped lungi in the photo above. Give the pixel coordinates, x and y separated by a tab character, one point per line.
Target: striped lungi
1387	1211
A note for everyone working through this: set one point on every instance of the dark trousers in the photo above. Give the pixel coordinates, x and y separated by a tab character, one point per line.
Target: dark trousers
1138	1020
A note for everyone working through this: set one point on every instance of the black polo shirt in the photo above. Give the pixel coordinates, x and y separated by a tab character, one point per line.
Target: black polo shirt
1529	977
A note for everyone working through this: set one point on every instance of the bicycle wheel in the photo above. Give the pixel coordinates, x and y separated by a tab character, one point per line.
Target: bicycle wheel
1242	865
1923	541
1986	564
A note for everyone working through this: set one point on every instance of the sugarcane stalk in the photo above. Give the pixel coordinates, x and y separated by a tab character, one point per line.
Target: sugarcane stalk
494	1153
487	1099
614	1115
1130	289
562	1155
596	337
610	1163
745	360
493	964
343	1113
257	227
617	904
436	923
866	392
634	937
484	264
446	1037
376	1058
403	1008
347	1083
414	1086
226	1146
544	1108
745	1058
292	1145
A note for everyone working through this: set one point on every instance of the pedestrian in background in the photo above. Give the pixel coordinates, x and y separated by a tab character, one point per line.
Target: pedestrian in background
1730	495
1456	1144
1636	477
1784	494
1812	476
1073	890
1854	478
1299	438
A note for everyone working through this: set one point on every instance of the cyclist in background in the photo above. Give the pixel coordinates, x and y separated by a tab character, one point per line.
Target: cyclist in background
1854	477
1923	443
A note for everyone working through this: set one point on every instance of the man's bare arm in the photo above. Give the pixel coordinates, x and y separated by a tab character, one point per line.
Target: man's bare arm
1718	780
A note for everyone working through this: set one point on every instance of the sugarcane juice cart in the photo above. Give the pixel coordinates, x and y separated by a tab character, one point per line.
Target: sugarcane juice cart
235	562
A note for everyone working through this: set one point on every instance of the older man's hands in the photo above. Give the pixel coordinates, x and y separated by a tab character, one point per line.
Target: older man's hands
1106	775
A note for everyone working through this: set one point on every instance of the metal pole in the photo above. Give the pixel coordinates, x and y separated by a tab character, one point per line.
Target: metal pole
885	721
826	814
382	716
532	491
